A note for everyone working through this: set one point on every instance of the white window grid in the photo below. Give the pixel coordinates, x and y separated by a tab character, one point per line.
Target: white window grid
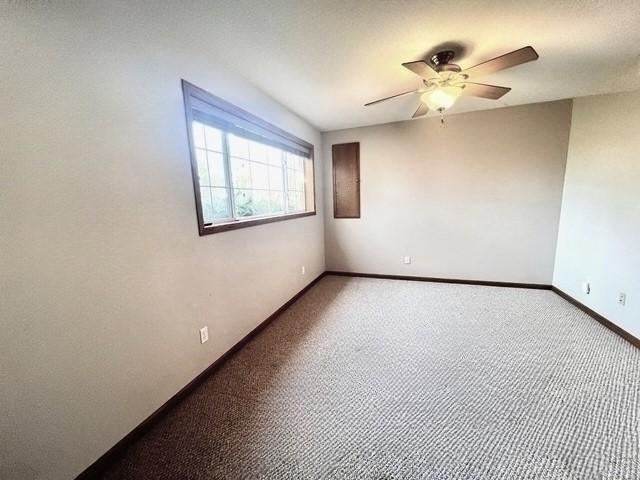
286	168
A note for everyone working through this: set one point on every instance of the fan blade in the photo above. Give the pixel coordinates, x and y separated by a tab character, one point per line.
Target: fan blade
508	60
421	111
485	91
391	97
422	69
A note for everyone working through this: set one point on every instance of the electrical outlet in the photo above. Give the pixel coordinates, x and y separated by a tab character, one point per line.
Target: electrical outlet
204	334
622	299
303	270
586	288
406	260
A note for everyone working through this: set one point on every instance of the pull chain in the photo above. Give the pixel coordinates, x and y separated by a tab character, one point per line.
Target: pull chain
441	110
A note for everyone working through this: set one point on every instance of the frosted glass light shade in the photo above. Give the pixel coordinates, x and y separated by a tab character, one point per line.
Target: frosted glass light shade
442	97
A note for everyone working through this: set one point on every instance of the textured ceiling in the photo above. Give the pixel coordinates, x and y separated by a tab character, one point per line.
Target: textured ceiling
325	59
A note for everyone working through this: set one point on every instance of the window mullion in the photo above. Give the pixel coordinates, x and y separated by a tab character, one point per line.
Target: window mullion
285	185
229	177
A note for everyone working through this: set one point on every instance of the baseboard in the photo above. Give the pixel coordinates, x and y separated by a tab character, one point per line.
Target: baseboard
96	469
595	315
604	321
537	286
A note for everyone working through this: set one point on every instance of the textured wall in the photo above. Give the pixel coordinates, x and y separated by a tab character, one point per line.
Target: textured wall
104	279
599	238
477	199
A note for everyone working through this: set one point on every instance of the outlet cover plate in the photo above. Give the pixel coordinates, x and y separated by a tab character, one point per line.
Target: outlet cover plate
204	334
622	299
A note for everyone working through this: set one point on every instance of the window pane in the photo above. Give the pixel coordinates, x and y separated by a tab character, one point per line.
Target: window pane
276	202
299	182
261	202
258	151
198	134
220	199
275	156
240	173
213	138
295	180
203	169
216	169
207	206
296	201
294	162
291	178
259	176
275	178
250	203
244	203
238	146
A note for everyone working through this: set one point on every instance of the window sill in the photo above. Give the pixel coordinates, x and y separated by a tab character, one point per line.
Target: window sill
224	227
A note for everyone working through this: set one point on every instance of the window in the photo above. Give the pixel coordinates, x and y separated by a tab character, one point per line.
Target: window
245	170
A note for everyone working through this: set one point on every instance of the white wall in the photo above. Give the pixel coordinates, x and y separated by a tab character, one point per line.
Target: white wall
477	199
104	279
599	238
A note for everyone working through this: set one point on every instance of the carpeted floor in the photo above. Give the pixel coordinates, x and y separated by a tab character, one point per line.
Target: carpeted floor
384	379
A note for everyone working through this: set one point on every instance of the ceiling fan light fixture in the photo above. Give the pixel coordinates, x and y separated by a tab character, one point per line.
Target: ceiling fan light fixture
442	98
444	81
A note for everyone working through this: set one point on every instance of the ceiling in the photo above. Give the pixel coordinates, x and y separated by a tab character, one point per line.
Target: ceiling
325	59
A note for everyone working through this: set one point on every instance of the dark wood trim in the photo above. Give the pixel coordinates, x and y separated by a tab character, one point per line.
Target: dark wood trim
313	173
96	469
189	90
333	167
188	112
222	104
595	315
224	227
537	286
599	318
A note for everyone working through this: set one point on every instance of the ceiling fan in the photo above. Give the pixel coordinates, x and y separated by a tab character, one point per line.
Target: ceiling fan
444	82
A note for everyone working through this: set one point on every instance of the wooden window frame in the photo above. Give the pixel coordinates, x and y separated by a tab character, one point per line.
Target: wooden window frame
192	94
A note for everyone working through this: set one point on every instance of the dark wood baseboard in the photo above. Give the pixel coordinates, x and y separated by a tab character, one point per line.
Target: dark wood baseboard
595	315
97	469
604	321
100	466
538	286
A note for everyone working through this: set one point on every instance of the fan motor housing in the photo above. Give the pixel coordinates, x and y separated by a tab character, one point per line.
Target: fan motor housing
441	61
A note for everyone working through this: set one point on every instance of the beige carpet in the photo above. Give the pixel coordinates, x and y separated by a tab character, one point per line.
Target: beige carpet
385	379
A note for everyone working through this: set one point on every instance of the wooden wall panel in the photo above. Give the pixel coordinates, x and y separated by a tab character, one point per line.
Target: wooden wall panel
346	180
